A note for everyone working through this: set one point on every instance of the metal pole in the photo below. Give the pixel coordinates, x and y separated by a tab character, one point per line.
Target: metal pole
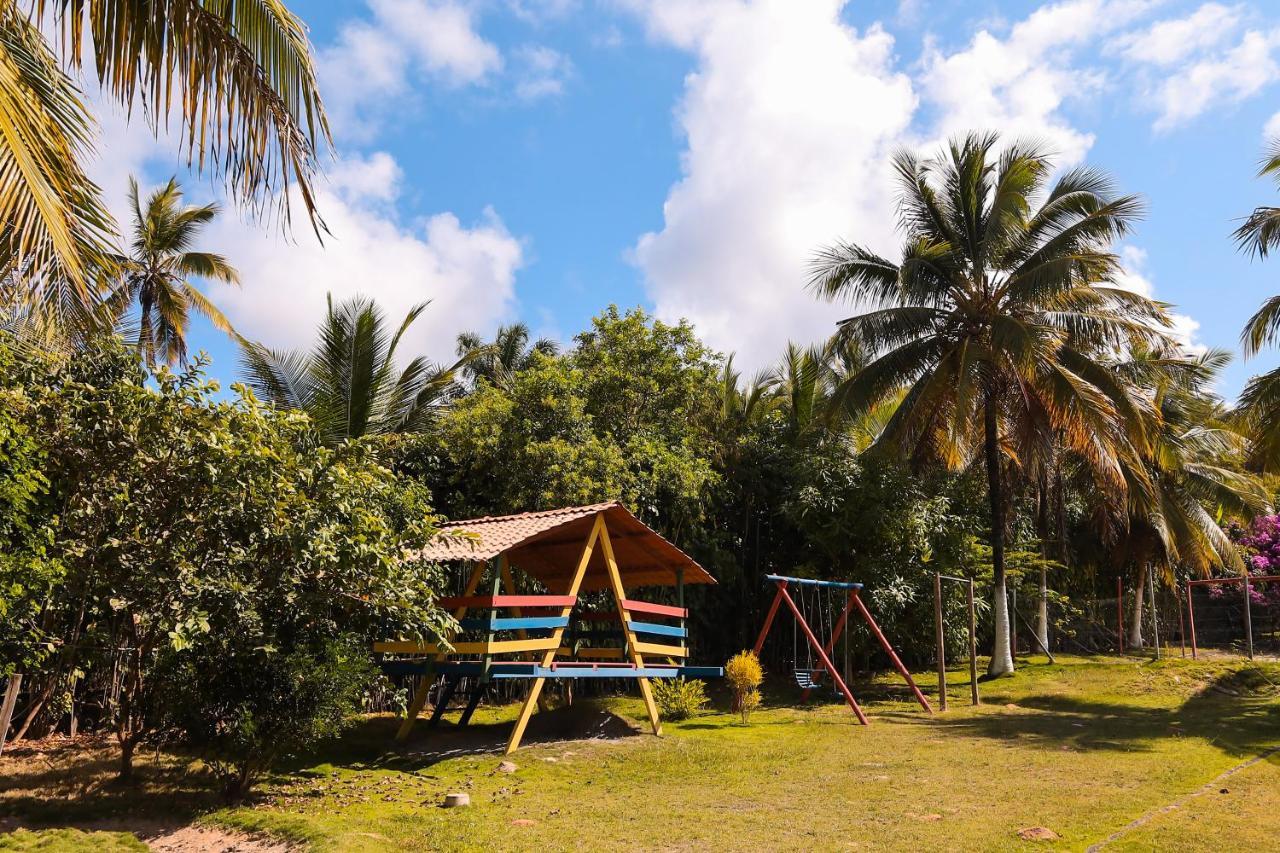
942	648
973	648
1191	622
1248	617
1151	597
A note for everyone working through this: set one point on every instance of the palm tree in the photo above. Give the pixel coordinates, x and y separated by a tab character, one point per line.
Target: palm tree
993	321
237	79
1260	401
1192	465
507	354
155	273
348	383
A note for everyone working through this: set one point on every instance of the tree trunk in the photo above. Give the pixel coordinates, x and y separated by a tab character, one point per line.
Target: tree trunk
1042	619
1135	619
126	759
1001	651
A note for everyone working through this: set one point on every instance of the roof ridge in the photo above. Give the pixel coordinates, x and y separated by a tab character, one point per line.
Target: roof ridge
541	513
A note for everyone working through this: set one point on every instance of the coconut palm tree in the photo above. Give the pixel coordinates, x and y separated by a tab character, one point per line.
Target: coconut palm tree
1193	468
348	383
1260	402
237	80
155	275
508	353
994	320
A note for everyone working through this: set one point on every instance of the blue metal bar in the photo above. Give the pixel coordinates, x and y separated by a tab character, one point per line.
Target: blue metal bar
655	628
514	623
808	582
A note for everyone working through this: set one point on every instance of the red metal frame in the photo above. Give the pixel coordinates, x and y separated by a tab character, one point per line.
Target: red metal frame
1191	611
824	652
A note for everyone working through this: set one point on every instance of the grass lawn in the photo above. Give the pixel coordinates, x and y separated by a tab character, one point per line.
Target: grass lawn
1088	749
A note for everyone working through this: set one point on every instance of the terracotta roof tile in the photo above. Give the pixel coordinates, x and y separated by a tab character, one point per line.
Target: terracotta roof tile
549	543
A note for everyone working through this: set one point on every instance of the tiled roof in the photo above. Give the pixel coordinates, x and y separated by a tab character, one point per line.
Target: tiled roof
548	545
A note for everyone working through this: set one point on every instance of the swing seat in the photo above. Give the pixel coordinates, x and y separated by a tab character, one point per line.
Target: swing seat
805	678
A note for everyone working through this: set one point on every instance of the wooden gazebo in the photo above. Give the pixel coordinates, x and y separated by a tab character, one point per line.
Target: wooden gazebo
568	552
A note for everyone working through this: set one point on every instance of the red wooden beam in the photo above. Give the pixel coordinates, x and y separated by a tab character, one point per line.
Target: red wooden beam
633	606
817	647
508	601
893	656
768	620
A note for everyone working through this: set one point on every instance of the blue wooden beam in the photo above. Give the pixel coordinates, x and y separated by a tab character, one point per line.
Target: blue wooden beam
655	628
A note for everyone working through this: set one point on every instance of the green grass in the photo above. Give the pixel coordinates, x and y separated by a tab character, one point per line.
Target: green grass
1082	748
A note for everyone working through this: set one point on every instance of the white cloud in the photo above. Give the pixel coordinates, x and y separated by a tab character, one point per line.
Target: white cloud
1169	42
467	272
542	73
1212	81
1018	84
1137	279
1272	129
539	12
790	117
376	63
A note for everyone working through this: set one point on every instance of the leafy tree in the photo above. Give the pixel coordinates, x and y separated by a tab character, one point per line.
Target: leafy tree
348	383
1260	401
508	353
155	274
215	529
237	78
994	320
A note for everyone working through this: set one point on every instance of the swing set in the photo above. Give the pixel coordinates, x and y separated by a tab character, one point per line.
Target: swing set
820	598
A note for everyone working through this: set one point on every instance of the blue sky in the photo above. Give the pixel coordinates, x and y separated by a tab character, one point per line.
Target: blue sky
516	159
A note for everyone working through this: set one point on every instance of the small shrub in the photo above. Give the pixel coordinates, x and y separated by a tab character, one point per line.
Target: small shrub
748	703
677	698
744	674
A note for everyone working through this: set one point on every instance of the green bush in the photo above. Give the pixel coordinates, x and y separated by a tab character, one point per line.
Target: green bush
677	698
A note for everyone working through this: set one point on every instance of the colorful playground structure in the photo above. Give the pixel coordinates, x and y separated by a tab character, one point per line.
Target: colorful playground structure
504	635
811	676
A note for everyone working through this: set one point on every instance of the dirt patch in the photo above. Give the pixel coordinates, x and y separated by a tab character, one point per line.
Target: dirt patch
207	839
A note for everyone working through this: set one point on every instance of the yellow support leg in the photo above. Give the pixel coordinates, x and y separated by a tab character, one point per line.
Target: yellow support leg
526	711
415	705
620	595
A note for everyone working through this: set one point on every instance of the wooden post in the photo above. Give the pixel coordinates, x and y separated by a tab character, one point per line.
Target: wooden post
1013	623
1248	617
1120	612
620	595
1182	627
1191	622
973	648
1151	597
526	710
6	710
942	641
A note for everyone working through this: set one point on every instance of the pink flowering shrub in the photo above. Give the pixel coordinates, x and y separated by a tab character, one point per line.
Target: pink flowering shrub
1260	544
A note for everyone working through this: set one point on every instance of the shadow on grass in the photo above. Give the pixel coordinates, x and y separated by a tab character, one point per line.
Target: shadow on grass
1235	711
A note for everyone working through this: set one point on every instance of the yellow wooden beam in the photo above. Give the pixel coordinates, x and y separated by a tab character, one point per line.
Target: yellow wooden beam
664	650
633	647
602	653
575	583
